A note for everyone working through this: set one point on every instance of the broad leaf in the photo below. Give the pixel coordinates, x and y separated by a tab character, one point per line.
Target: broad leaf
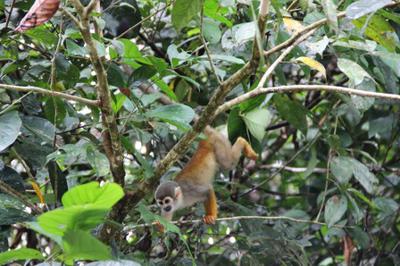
81	245
10	124
20	254
257	121
353	70
363	7
92	193
335	208
313	64
184	11
58	221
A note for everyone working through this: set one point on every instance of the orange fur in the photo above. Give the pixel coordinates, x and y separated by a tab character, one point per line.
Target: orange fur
196	178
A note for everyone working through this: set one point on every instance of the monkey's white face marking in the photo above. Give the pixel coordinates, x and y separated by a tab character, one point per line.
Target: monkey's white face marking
166	204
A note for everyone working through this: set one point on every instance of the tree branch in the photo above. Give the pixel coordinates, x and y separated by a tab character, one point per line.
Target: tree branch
10	191
111	137
50	93
131	198
297	88
248	217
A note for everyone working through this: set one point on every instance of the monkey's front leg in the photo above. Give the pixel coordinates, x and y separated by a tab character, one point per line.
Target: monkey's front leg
210	206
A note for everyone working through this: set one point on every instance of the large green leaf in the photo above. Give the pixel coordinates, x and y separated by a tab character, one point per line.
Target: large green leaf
39	127
10	124
76	217
81	245
331	13
184	11
335	208
257	121
92	193
176	114
353	70
362	7
343	167
20	254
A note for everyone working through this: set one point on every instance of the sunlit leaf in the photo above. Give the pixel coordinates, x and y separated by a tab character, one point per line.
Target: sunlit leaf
313	64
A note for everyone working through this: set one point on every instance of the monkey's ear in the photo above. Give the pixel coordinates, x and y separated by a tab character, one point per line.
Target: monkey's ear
178	192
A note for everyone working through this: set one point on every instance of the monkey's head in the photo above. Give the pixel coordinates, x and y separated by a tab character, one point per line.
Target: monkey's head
169	197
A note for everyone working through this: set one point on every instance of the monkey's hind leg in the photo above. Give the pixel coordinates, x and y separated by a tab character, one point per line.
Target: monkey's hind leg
210	206
242	144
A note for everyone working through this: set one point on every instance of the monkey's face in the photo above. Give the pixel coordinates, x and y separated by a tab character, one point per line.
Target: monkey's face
166	204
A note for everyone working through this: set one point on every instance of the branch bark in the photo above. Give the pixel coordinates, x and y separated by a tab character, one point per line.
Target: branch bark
50	93
296	88
111	137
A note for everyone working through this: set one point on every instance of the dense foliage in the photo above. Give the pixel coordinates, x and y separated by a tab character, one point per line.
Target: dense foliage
324	191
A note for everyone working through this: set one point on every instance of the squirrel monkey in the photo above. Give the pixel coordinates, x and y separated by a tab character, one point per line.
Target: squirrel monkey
194	183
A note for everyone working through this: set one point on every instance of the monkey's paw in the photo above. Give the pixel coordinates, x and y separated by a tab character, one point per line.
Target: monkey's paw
160	228
209	219
250	153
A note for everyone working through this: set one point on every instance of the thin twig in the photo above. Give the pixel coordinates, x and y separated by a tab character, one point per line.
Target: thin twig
296	88
203	41
283	166
50	93
269	71
245	217
12	192
143	20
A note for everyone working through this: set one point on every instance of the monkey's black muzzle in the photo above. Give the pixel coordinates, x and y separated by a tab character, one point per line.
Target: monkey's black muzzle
168	208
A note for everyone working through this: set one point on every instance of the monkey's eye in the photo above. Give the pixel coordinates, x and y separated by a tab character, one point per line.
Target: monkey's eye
166	201
160	202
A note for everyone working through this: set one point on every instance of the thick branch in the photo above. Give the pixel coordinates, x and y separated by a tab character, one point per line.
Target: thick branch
50	93
111	138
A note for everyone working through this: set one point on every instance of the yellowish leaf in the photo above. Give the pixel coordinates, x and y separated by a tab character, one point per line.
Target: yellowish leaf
36	188
293	26
313	64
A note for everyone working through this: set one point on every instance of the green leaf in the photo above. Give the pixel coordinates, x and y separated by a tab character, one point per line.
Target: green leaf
392	60
364	176
10	124
39	127
74	49
60	220
257	121
184	11
342	169
361	237
175	114
331	13
92	193
362	7
20	254
293	112
211	31
374	27
342	166
12	210
81	245
335	208
353	70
